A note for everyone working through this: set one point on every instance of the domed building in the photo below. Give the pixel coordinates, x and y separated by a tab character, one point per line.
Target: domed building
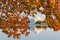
38	20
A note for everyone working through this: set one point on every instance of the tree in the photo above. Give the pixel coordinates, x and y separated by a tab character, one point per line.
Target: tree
11	10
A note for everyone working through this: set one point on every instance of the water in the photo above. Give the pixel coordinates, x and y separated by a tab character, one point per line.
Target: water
44	34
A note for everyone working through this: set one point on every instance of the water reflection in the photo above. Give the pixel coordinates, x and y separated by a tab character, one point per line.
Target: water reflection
37	28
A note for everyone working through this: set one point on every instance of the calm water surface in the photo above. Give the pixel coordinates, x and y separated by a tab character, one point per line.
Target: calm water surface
45	34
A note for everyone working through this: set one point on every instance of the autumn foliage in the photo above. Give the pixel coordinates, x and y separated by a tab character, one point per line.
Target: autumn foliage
12	23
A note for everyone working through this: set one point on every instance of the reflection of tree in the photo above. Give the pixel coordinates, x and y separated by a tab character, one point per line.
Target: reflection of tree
55	27
12	23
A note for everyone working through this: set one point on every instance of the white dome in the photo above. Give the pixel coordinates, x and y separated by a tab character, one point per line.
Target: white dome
38	19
